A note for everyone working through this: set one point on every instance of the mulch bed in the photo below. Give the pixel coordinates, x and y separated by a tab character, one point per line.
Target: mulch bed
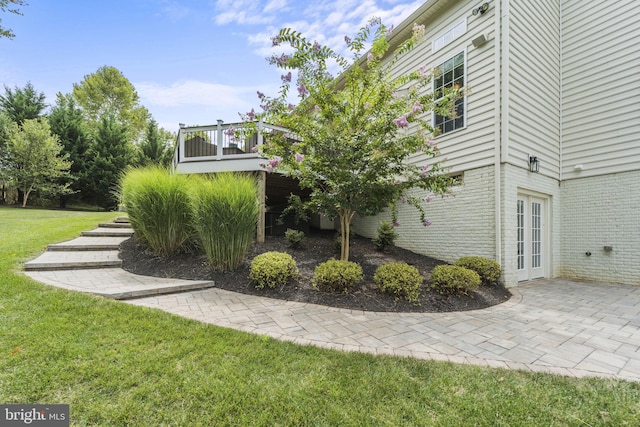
318	247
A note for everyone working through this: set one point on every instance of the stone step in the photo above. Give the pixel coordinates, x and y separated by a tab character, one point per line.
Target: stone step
71	260
115	225
89	243
108	232
116	283
122	220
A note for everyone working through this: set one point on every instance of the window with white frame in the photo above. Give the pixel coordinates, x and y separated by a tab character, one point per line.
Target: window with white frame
450	35
449	75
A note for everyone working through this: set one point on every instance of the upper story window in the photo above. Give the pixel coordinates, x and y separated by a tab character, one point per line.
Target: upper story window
450	74
450	35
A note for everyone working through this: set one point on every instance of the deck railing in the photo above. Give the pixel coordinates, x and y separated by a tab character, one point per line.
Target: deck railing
220	142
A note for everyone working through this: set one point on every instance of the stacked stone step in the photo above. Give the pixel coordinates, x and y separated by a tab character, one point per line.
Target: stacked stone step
97	248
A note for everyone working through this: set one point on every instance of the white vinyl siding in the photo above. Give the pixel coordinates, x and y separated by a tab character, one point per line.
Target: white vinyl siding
601	87
474	145
534	84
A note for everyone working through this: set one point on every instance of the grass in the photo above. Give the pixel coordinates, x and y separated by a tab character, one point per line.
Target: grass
225	212
159	207
117	365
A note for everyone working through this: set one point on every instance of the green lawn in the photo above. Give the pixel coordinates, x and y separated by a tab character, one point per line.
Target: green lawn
117	364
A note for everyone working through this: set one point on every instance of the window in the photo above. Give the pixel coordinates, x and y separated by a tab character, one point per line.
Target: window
450	75
450	35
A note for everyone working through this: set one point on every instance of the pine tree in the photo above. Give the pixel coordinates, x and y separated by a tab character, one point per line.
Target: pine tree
67	121
109	155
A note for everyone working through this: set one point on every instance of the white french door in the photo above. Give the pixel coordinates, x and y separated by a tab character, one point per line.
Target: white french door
532	245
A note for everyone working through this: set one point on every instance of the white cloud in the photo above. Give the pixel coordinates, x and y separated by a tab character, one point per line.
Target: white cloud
275	6
329	21
190	92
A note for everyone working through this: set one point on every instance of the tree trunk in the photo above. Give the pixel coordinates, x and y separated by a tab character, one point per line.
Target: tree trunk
345	231
25	196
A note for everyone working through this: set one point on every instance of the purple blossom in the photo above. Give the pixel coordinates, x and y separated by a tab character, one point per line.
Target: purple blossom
376	20
425	170
369	56
302	89
275	41
396	224
316	46
429	198
286	77
317	108
389	31
254	149
280	60
347	39
426	223
401	122
275	161
299	157
416	108
251	114
290	107
423	72
231	133
260	95
403	199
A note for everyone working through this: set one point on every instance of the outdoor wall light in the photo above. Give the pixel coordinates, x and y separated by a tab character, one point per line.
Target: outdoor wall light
534	164
479	41
481	9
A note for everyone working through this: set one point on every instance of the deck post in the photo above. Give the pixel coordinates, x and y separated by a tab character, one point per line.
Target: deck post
262	195
219	140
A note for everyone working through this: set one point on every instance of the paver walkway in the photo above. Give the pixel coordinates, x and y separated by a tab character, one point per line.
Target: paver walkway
556	326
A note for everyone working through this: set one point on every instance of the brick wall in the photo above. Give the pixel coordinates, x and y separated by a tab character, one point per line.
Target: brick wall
462	224
601	211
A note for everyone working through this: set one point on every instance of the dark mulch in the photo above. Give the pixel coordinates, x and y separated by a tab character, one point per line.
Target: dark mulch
318	247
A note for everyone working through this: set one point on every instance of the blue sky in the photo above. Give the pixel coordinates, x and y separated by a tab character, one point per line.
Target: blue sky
191	61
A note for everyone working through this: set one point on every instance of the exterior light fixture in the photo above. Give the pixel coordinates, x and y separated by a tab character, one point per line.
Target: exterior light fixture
479	41
481	9
534	164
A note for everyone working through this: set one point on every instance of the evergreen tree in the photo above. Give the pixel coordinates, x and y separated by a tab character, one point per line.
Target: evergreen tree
67	121
156	146
109	155
22	104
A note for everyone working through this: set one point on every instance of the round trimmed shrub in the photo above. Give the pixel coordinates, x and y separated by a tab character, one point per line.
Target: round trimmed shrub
272	269
488	269
399	279
453	279
336	275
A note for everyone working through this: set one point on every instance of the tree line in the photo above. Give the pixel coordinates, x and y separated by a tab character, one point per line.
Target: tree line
74	151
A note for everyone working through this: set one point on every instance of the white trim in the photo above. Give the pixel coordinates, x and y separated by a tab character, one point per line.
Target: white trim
449	36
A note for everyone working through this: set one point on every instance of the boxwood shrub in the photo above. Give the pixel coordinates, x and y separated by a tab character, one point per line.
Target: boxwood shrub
488	269
399	279
453	279
272	269
336	275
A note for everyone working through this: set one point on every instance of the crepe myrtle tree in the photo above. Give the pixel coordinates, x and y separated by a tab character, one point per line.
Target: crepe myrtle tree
350	136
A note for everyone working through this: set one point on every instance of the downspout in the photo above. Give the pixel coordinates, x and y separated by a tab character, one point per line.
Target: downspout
497	102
